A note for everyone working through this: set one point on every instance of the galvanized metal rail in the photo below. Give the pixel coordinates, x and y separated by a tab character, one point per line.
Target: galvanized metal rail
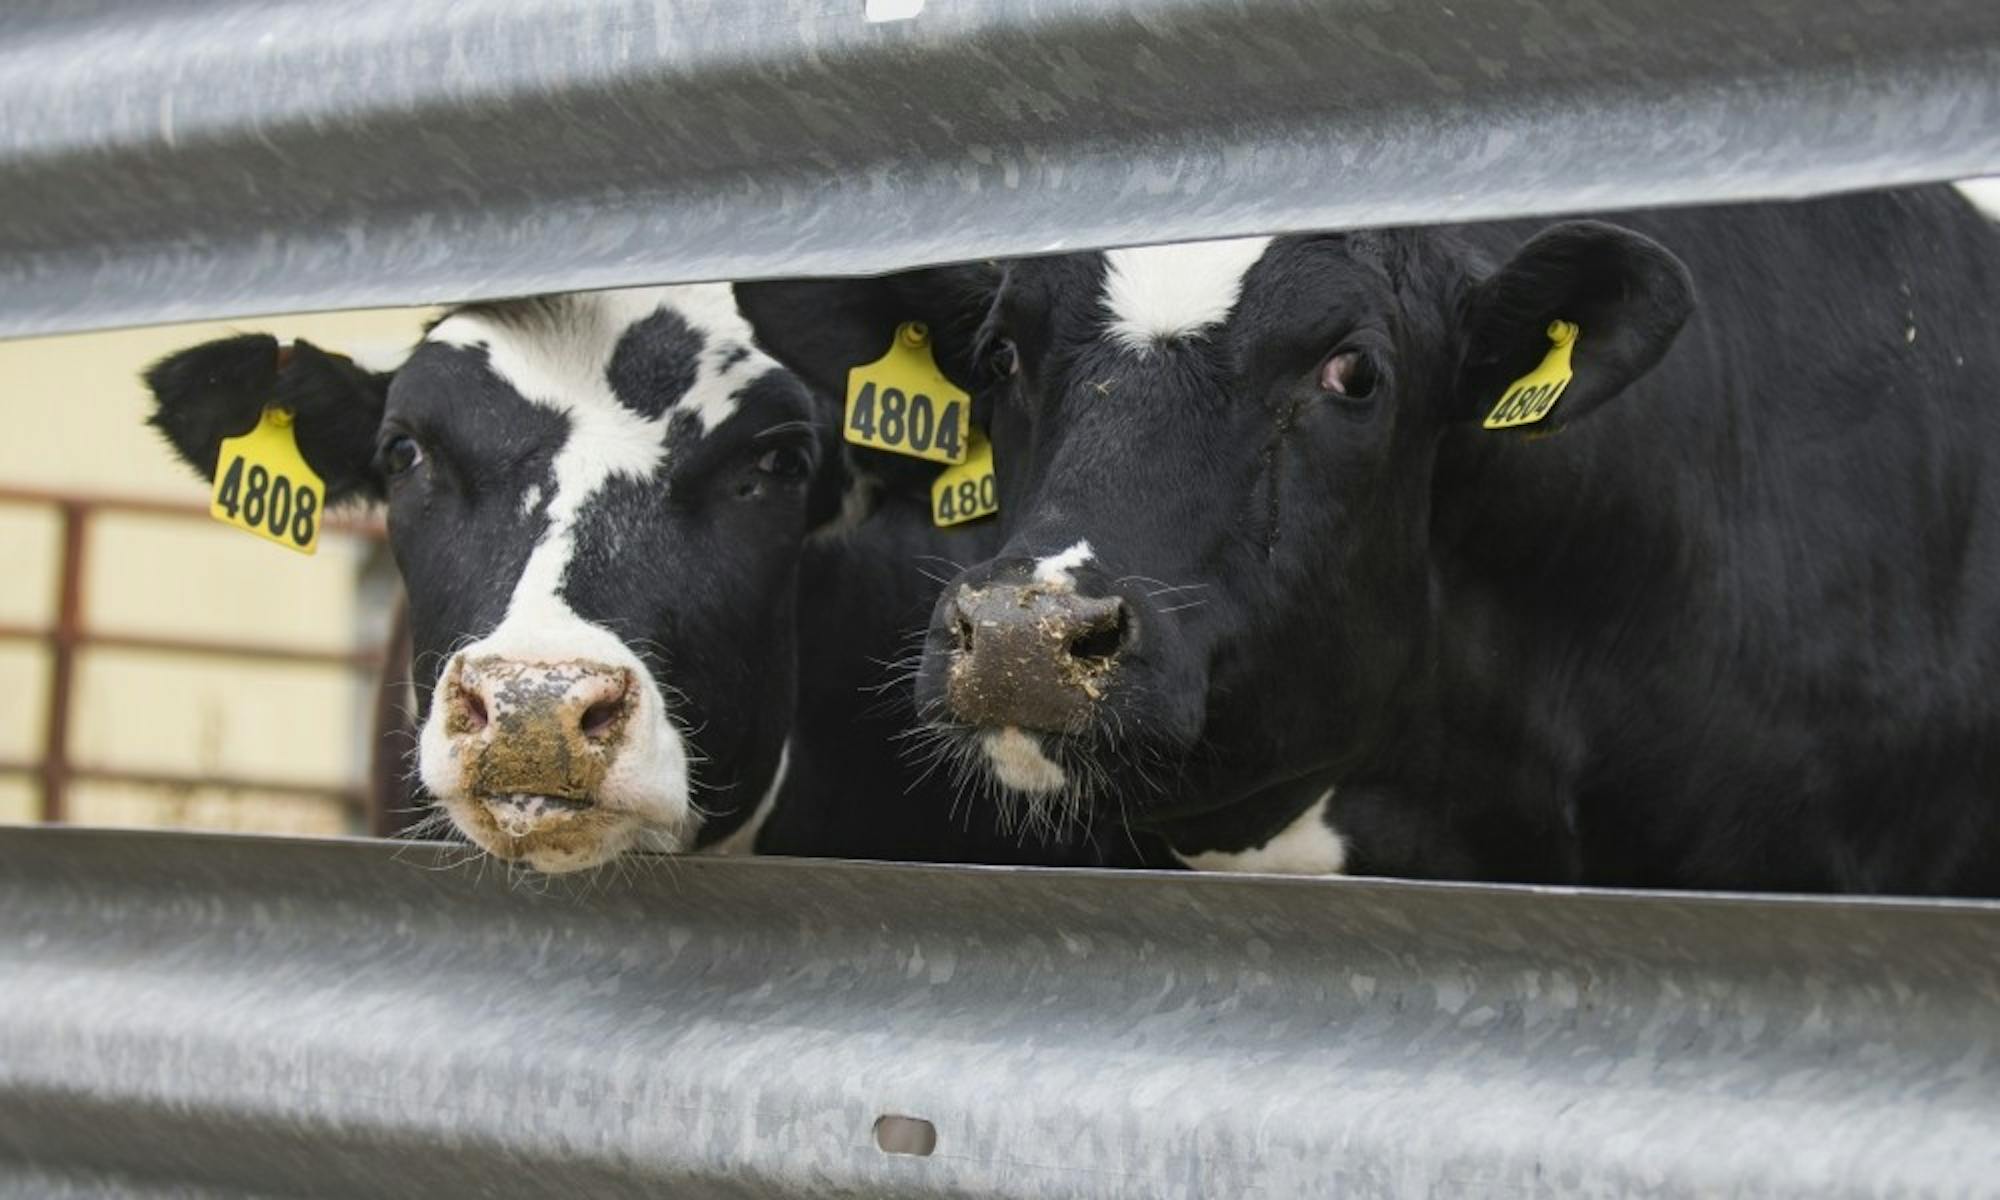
185	1014
182	1013
163	161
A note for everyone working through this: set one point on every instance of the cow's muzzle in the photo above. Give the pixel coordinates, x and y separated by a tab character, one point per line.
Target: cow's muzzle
534	740
1033	656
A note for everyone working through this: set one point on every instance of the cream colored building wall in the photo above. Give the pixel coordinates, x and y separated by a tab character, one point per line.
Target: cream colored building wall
76	413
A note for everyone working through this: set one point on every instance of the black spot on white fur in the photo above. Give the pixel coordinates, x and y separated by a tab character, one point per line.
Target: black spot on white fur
656	362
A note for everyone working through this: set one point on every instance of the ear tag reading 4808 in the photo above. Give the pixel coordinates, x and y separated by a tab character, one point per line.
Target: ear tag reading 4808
263	485
966	492
902	403
1534	395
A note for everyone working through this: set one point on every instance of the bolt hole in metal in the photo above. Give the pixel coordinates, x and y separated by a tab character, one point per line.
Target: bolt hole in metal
905	1135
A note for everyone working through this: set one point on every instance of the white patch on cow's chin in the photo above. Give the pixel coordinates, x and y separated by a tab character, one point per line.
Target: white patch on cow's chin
562	363
1053	573
531	499
1310	845
1017	761
1159	293
645	792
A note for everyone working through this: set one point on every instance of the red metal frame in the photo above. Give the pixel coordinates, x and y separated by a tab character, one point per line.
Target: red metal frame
70	634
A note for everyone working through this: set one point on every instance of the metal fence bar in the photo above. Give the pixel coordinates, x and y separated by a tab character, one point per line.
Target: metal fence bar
369	659
63	640
255	1015
172	161
354	797
71	633
364	524
259	1016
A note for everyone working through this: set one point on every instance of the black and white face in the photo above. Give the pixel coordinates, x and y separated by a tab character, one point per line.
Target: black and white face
1212	511
1215	466
598	504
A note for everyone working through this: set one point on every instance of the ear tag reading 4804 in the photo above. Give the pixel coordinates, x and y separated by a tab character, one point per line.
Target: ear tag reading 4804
263	485
966	492
902	403
1534	395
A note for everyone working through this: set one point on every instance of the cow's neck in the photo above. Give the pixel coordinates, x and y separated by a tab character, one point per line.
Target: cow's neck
1267	830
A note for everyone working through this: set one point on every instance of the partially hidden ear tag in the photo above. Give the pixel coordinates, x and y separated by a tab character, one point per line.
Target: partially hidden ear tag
902	403
263	485
966	492
1534	395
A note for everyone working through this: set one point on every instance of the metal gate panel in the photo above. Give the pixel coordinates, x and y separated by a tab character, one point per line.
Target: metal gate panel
252	1016
161	161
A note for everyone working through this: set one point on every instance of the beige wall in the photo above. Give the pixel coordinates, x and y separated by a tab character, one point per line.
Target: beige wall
77	410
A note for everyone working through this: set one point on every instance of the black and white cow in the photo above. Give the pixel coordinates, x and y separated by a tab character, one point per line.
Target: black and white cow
1730	616
601	505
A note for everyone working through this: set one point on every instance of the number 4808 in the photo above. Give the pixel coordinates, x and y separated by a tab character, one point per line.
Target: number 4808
256	499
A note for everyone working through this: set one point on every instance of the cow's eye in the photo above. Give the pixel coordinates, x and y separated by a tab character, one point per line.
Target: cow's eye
785	462
1348	373
400	455
1003	361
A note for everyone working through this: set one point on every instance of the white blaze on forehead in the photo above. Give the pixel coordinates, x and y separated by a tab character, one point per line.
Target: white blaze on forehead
1054	571
1310	845
1158	293
1018	762
561	360
711	308
563	364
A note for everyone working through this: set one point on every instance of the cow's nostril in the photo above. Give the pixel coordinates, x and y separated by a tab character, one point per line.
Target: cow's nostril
601	716
961	633
473	706
1102	642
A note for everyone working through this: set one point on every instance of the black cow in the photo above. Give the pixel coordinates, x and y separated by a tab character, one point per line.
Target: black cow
603	505
1728	615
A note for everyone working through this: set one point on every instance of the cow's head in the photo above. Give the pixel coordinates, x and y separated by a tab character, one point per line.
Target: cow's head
1216	482
597	502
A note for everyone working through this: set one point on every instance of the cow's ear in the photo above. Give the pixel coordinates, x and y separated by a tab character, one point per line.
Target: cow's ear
823	328
219	389
1625	296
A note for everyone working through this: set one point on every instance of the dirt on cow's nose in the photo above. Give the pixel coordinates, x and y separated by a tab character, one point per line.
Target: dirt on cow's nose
544	731
1033	656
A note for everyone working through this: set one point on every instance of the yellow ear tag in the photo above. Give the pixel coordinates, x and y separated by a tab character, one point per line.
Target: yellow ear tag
263	485
1532	396
902	403
966	492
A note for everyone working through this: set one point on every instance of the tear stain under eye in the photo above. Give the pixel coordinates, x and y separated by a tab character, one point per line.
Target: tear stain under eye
1267	461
